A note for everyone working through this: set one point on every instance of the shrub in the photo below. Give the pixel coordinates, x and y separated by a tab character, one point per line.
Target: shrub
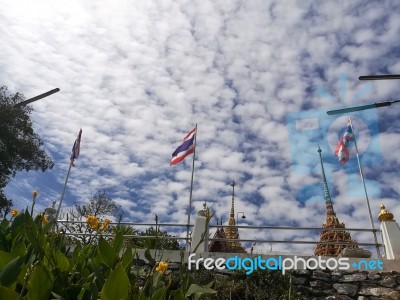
37	263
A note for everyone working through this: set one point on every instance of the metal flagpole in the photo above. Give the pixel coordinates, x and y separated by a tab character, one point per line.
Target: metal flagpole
63	192
188	245
365	190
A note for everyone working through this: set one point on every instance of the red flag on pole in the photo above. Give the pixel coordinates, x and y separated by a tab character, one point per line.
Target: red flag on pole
342	150
76	148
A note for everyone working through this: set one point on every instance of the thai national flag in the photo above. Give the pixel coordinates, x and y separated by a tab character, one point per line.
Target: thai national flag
342	150
76	148
186	148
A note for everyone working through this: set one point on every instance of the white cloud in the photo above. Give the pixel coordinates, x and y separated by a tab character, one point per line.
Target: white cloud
137	76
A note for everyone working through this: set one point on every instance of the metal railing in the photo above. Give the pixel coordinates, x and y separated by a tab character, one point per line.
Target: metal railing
315	229
245	240
65	223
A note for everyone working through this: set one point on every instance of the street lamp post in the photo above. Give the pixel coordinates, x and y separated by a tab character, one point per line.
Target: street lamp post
237	221
237	217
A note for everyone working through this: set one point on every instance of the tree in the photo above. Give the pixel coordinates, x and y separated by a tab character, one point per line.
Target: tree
20	147
99	207
5	204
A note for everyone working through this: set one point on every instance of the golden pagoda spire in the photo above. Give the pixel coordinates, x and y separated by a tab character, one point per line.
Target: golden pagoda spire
231	232
331	221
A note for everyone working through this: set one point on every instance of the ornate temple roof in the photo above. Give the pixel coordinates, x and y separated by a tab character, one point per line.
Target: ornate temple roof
219	246
331	221
230	232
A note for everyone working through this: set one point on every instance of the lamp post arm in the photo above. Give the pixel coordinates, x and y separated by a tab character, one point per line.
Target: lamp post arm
362	107
26	102
379	77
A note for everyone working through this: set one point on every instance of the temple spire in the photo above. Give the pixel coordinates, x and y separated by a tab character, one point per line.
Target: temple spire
331	221
231	232
232	214
327	195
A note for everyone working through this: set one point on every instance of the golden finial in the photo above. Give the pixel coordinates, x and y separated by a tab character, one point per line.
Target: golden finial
206	212
385	215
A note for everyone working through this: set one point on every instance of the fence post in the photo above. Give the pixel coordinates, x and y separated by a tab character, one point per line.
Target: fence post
200	231
390	233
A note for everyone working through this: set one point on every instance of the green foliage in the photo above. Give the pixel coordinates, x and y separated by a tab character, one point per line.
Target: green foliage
160	240
259	285
5	203
7	293
9	273
106	252
20	147
197	291
37	263
117	285
40	277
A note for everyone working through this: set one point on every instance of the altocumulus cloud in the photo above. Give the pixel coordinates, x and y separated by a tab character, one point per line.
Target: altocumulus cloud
137	76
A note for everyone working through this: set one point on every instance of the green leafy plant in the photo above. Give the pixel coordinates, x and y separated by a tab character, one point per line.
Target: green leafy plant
37	262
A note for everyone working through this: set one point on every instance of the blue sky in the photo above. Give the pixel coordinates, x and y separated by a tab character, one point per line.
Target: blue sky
256	76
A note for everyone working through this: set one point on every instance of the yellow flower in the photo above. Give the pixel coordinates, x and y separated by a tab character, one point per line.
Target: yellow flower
105	223
93	222
43	218
14	212
90	219
35	194
162	266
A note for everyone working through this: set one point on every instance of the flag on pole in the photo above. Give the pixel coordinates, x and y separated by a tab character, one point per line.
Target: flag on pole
185	149
342	150
76	148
